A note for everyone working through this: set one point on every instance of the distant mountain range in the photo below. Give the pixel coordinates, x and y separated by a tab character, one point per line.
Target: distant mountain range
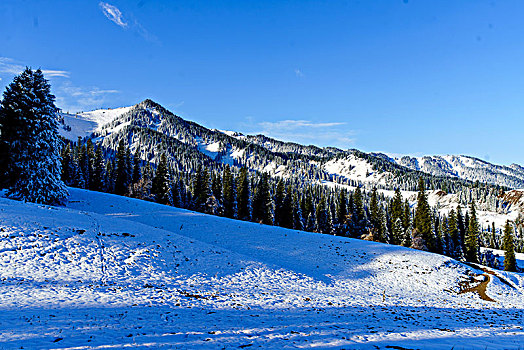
152	129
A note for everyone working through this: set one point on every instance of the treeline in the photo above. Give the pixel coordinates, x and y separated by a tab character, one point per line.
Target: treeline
242	194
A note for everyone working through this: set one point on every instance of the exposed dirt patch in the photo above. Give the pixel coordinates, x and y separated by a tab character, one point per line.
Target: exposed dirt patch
477	286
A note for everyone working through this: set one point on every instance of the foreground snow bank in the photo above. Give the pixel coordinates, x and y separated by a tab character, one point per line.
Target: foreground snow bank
110	271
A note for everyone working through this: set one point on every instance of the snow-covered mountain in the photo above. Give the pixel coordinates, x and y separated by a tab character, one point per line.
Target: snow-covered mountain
115	272
153	129
148	124
466	167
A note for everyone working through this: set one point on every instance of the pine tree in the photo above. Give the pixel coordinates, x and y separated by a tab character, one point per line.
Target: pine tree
29	141
287	209
342	214
98	170
136	167
262	202
358	218
321	224
243	195
160	185
472	236
510	263
406	225
279	203
228	193
121	169
422	220
397	212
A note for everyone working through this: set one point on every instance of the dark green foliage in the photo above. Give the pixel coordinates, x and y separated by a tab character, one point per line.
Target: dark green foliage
262	202
510	263
160	188
228	193
422	221
472	236
30	164
243	194
122	171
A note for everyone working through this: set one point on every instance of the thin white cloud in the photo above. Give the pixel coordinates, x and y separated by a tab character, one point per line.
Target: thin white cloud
335	134
299	73
55	73
12	67
295	124
113	14
73	98
9	66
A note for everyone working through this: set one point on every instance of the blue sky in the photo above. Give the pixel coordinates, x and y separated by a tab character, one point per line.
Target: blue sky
404	77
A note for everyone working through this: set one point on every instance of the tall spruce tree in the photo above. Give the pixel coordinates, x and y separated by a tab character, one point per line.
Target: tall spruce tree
29	141
243	195
508	245
122	171
160	188
262	202
422	220
98	170
228	193
472	236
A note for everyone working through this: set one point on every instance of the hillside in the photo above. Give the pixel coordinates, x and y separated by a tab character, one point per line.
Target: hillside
110	271
152	129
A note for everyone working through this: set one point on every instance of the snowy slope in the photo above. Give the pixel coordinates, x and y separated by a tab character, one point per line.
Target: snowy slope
109	272
465	167
84	124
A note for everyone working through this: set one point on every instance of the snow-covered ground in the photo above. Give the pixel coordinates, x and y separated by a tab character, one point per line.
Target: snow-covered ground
112	272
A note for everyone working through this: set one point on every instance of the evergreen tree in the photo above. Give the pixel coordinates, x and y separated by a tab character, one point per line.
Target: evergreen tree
510	263
160	188
374	211
29	141
137	171
279	203
358	218
342	214
422	220
121	169
228	193
287	209
262	202
397	212
472	236
406	225
322	224
243	195
97	182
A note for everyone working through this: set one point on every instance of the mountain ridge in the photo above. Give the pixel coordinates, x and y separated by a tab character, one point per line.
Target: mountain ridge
351	167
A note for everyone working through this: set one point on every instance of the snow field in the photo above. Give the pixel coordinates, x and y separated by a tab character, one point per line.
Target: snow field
109	272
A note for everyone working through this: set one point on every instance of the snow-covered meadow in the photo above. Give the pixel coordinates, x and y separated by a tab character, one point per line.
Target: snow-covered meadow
112	272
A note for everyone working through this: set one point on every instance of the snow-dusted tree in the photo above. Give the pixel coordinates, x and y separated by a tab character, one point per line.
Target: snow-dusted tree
29	135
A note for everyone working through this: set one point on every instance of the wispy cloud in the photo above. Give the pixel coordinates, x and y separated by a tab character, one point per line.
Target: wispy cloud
113	14
9	66
116	16
76	99
335	134
12	67
299	73
69	97
55	73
